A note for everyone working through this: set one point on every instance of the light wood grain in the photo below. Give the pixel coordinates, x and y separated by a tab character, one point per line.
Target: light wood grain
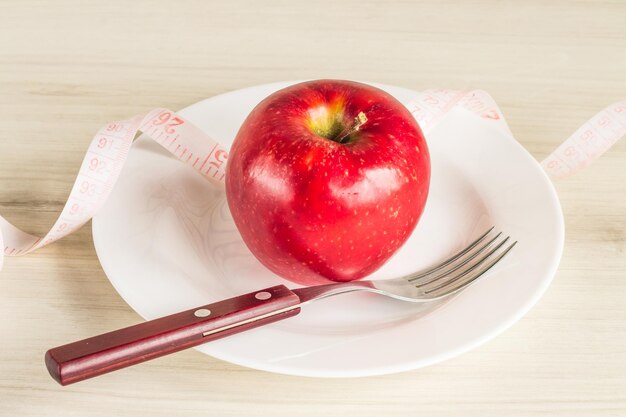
71	66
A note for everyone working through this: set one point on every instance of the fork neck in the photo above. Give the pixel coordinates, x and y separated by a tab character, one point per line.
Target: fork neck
318	292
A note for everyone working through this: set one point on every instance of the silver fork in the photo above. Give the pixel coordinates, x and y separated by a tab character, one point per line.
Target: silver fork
442	280
124	347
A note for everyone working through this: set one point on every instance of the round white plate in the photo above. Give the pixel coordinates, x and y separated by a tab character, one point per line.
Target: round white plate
167	243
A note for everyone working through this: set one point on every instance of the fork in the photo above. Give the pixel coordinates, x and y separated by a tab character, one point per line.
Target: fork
107	352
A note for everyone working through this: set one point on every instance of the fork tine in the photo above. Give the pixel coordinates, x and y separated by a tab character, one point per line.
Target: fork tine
450	260
451	278
455	285
454	266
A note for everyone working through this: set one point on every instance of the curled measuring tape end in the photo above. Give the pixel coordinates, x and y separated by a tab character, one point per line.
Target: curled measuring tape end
103	163
588	142
577	152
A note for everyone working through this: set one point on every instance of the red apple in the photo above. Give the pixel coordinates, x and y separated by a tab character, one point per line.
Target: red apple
327	179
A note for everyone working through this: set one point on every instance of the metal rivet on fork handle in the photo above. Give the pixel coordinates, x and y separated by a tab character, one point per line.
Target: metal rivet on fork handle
203	312
263	295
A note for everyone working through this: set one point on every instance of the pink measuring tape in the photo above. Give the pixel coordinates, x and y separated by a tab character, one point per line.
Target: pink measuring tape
108	150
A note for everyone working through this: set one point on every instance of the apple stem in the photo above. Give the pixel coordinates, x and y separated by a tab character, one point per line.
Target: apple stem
359	121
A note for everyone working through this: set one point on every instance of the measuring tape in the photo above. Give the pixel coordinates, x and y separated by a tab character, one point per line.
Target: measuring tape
586	144
109	149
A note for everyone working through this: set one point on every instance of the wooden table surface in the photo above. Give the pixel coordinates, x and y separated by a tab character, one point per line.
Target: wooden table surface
68	67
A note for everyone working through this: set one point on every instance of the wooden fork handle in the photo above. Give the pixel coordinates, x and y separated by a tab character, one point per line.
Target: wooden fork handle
107	352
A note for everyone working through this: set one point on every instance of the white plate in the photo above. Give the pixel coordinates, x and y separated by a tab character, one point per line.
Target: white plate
167	243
